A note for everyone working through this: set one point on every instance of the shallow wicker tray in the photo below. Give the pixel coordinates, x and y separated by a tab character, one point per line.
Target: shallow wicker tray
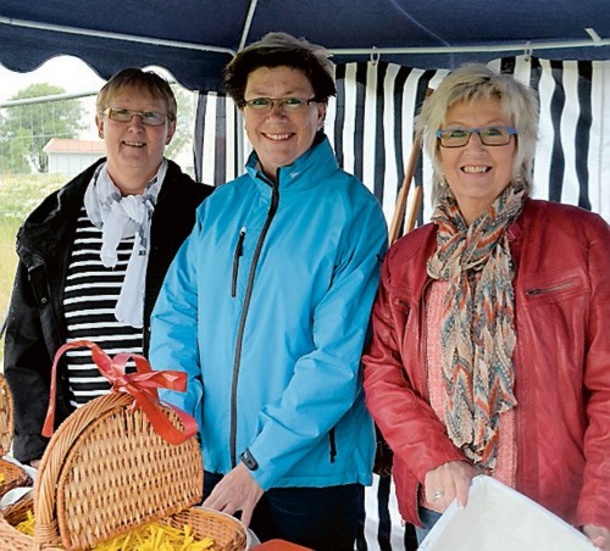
13	475
228	533
105	472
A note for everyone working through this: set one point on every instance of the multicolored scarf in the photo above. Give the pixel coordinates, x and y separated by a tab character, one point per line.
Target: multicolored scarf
477	332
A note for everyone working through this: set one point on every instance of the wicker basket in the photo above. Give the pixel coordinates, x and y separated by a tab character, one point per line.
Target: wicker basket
105	472
13	475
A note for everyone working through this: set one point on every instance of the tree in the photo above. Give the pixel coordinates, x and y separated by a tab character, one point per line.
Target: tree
185	126
27	128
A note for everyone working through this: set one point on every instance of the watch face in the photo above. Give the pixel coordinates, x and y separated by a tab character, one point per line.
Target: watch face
248	460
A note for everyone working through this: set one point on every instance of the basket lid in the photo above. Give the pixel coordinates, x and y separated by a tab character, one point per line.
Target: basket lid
6	417
106	471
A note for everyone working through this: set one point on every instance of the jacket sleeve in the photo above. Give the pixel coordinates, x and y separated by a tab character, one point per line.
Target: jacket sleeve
594	503
398	406
326	382
173	343
27	367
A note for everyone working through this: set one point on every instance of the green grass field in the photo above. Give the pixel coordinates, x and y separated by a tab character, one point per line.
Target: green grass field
18	197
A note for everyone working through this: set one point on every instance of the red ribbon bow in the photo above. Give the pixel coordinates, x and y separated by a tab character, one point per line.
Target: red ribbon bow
142	385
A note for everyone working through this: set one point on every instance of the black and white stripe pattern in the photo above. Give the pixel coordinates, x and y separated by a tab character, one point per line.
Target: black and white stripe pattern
370	125
90	296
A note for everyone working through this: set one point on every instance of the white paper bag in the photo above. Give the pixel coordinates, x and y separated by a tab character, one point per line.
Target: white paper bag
498	518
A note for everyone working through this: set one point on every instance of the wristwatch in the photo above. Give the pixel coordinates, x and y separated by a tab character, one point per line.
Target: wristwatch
248	460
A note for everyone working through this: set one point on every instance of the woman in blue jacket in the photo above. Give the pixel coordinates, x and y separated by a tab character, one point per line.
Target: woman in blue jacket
266	308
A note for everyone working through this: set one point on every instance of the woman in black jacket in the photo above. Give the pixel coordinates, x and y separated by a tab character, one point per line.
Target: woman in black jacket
93	255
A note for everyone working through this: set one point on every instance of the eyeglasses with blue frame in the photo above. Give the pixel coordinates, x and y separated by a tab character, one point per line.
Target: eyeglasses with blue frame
489	135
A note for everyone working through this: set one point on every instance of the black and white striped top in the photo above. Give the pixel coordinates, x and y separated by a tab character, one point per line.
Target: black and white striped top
90	296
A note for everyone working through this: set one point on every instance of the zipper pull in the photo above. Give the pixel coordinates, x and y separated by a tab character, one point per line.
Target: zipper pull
239	251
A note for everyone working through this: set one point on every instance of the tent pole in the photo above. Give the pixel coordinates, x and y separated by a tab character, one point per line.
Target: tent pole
248	23
513	47
113	36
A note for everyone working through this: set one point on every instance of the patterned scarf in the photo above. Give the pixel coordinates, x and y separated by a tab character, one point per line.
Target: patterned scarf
477	332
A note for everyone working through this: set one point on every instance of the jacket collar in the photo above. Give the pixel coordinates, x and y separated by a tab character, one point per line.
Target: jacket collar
48	226
312	168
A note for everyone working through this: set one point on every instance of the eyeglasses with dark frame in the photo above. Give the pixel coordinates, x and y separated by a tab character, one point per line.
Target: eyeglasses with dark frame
265	105
489	135
148	118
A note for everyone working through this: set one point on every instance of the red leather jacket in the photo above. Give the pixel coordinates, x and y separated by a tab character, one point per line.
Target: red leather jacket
562	363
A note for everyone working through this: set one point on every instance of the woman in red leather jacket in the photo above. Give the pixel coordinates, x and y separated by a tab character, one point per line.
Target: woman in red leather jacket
490	351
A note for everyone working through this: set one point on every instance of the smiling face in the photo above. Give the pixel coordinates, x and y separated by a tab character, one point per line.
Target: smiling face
280	136
134	150
477	173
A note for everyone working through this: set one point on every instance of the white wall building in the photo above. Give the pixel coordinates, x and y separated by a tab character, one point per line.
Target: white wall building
71	157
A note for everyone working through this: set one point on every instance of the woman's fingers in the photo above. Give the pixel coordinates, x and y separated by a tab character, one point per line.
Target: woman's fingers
447	482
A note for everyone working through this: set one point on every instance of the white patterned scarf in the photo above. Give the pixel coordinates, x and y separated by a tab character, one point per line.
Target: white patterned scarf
120	217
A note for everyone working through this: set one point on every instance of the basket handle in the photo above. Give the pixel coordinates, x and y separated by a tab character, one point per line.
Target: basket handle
142	385
6	406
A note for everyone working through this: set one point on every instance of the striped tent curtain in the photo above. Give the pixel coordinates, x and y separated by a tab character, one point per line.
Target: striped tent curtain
370	124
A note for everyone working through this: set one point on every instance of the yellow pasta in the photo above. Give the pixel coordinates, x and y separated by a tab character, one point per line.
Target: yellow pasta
2	478
27	526
150	537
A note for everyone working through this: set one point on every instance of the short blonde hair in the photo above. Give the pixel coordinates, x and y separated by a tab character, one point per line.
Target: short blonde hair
471	83
148	82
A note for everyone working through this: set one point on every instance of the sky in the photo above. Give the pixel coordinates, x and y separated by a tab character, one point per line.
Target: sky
70	73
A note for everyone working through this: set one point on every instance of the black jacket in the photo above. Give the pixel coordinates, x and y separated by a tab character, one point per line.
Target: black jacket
36	327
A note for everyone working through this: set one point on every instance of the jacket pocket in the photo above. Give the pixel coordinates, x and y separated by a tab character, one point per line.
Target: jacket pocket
332	444
238	253
557	287
38	281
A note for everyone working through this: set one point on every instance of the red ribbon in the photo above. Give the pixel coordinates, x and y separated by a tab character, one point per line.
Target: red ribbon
142	385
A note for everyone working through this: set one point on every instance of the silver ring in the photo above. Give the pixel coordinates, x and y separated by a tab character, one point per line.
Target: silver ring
437	495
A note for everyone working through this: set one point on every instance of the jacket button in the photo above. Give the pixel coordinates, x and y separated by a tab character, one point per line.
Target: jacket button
44	300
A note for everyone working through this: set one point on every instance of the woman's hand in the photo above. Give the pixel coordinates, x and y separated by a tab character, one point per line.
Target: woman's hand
447	482
237	491
599	536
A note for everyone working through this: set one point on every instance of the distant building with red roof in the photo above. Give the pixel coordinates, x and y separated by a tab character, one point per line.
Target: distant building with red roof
71	157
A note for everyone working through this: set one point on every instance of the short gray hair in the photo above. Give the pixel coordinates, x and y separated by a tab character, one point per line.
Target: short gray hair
473	82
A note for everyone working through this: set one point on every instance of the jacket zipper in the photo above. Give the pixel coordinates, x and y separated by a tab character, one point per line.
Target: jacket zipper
424	325
539	291
239	251
275	199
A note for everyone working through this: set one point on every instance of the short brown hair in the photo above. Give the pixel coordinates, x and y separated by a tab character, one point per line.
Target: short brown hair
278	50
146	81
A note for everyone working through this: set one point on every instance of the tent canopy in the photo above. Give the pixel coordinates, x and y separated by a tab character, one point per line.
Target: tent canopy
194	39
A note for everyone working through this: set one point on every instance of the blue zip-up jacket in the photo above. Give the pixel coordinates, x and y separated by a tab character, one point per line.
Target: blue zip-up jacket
266	307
